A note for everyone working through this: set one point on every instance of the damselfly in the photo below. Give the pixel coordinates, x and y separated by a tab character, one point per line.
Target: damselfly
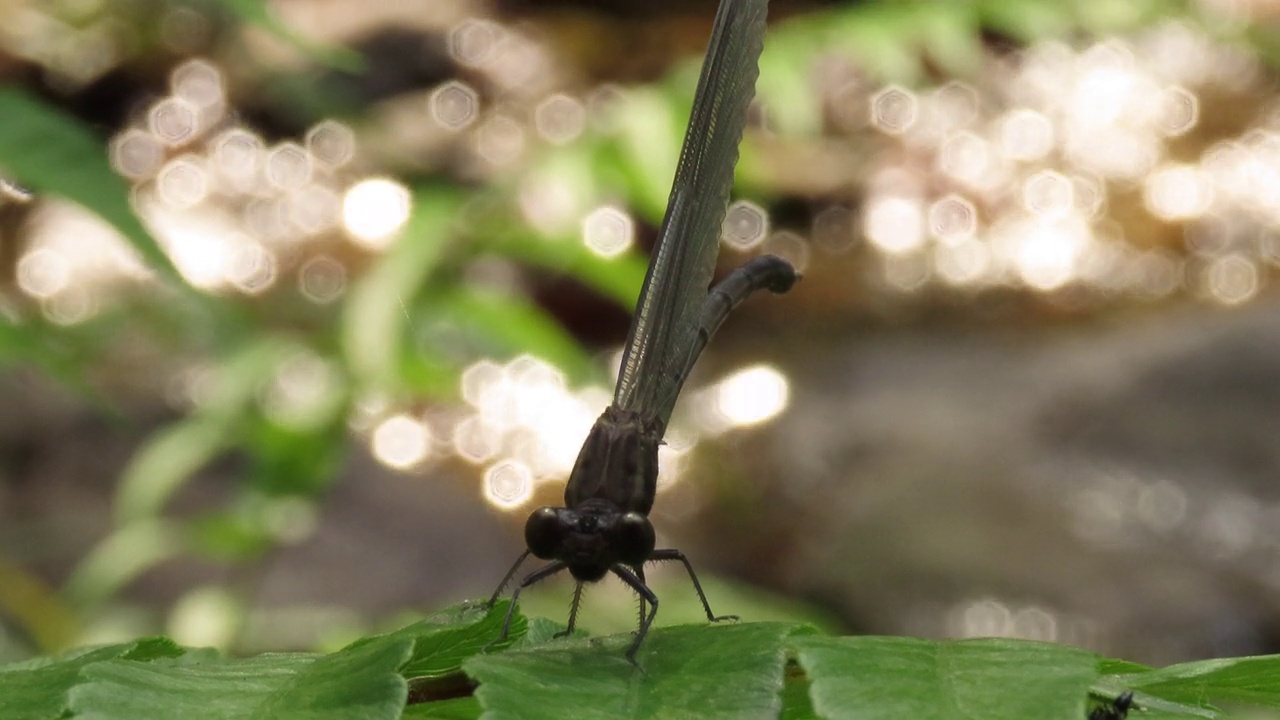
604	526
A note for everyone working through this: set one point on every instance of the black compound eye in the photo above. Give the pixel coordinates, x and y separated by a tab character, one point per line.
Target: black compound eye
633	537
544	532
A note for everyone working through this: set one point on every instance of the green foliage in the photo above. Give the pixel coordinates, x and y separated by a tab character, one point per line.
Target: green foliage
447	666
52	152
258	14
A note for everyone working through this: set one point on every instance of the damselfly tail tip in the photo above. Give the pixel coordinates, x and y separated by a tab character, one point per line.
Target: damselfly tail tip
780	273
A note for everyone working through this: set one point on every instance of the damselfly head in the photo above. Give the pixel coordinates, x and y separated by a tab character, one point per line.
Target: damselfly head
589	539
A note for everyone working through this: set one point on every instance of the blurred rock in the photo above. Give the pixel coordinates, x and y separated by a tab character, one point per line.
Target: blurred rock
1110	485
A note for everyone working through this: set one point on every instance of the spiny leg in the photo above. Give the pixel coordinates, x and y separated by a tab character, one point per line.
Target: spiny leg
646	594
507	578
673	554
536	576
573	612
639	571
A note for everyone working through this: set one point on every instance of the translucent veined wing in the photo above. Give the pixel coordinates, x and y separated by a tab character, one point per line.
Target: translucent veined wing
664	328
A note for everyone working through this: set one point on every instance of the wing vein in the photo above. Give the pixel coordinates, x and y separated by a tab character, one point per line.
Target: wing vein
664	327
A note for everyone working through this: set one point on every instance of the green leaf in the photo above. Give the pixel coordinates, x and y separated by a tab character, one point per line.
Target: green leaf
541	631
618	279
296	462
786	85
882	38
375	318
1249	680
36	689
491	226
258	13
650	132
509	325
52	152
1028	20
463	708
1109	666
722	671
234	535
796	704
355	684
443	640
613	604
34	342
164	462
125	554
174	453
874	678
950	34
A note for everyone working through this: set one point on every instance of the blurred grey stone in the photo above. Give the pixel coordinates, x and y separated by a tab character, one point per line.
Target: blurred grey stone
1118	478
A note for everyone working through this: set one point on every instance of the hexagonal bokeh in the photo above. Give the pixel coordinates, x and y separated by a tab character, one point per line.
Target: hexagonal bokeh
966	156
953	219
43	273
1179	111
1231	280
252	268
183	182
790	247
508	484
136	154
479	379
454	105
560	118
476	441
314	208
500	140
237	154
322	279
834	229
172	120
608	231
956	104
1026	135
199	82
1048	193
894	109
1090	194
288	166
331	142
745	226
475	41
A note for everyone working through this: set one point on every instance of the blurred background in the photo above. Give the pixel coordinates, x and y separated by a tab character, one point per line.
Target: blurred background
1028	386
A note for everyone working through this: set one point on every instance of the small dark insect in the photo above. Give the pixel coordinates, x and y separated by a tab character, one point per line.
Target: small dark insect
1117	709
603	527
